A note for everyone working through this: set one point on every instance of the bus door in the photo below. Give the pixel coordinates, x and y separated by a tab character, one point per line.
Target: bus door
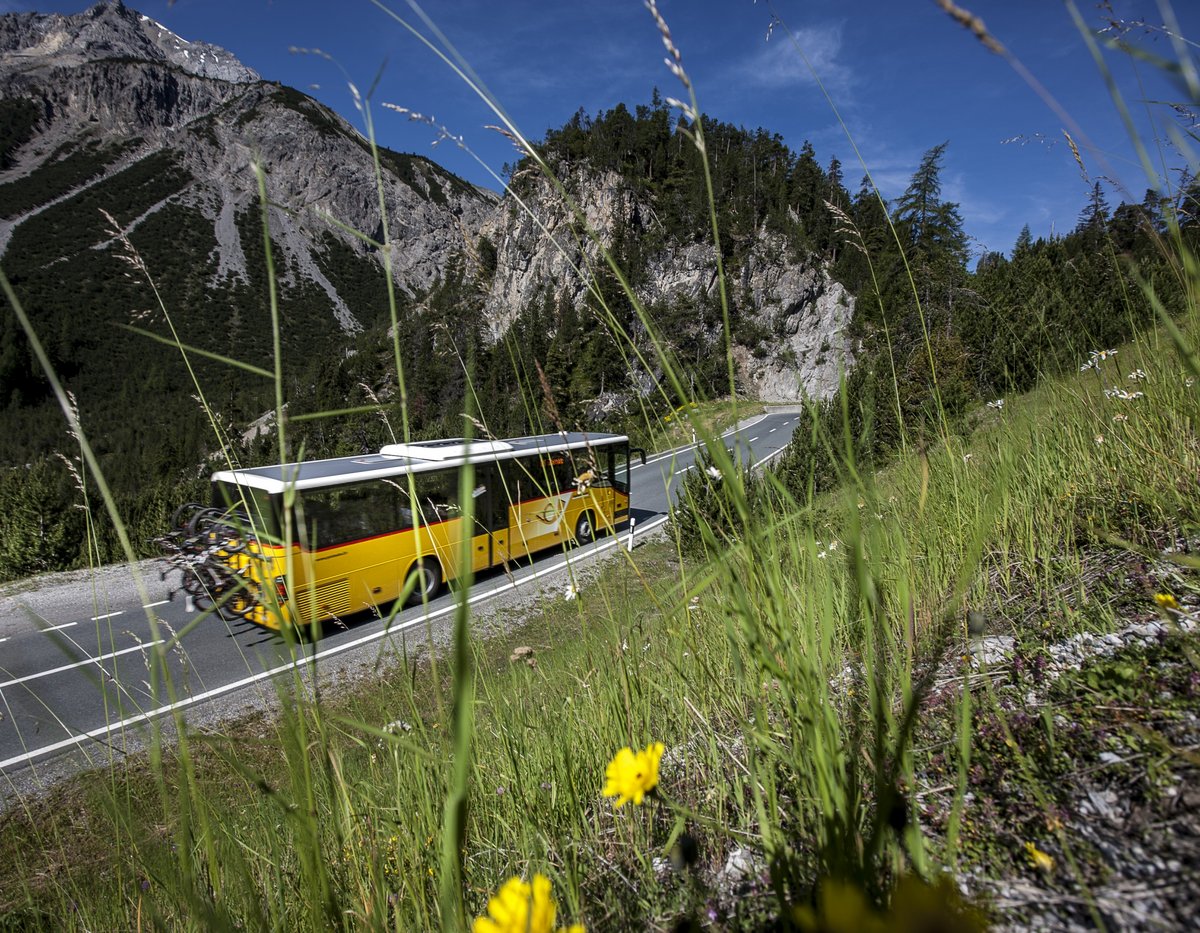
618	475
492	505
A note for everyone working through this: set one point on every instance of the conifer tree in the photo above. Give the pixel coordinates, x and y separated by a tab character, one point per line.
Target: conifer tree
1024	242
1094	216
931	231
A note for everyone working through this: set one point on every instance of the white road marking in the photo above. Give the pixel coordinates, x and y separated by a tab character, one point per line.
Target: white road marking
773	430
686	447
108	615
770	456
3	640
753	439
684	470
83	663
55	628
161	602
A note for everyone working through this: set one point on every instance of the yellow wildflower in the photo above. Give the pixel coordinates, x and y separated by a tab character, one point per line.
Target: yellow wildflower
520	907
631	775
1166	601
1039	858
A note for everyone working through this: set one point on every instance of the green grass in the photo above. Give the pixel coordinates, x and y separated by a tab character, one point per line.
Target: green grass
802	664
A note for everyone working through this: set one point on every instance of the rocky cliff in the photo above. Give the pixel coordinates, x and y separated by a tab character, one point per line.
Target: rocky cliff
801	314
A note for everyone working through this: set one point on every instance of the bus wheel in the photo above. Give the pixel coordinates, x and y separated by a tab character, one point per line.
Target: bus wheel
585	530
425	578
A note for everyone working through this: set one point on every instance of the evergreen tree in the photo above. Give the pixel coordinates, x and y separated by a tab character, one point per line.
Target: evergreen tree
1024	242
1187	207
931	231
916	210
1094	216
837	189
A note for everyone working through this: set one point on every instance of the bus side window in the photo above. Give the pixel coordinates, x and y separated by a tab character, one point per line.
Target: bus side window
437	497
348	513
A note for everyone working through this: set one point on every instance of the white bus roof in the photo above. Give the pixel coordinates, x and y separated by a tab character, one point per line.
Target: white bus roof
400	459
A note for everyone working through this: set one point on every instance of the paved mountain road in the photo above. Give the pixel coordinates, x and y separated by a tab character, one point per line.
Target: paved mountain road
74	648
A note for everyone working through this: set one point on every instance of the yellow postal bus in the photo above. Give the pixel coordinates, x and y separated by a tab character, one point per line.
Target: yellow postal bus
303	542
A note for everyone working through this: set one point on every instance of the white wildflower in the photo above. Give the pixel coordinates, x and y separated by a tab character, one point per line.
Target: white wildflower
998	404
1099	439
713	472
1096	358
1137	375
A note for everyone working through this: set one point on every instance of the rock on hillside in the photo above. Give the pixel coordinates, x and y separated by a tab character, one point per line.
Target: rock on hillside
803	312
110	31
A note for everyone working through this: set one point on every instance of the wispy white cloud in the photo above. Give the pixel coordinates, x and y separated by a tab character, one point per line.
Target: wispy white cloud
780	62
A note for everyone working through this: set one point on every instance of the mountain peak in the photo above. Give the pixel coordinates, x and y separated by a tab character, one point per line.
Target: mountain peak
108	30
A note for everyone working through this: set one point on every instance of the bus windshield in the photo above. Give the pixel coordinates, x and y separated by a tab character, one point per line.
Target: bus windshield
259	509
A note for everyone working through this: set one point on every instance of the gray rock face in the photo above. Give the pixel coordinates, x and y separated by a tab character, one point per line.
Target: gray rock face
799	305
109	30
805	311
538	247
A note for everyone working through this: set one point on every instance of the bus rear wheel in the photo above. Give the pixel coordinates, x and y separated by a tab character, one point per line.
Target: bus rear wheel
585	529
425	579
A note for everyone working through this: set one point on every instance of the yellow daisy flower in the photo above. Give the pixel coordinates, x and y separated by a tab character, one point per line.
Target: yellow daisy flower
1040	859
632	775
521	907
1166	601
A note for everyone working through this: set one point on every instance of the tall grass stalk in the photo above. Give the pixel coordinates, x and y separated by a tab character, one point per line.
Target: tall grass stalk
784	653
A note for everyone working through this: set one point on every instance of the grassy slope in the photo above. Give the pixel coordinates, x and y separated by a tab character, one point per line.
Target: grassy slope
771	674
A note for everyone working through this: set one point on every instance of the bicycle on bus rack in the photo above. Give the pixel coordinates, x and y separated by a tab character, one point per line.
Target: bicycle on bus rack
212	552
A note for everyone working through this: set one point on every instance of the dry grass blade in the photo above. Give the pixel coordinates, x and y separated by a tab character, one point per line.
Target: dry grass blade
1078	158
974	24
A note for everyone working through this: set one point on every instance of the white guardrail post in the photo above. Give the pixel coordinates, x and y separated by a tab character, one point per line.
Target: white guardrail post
632	525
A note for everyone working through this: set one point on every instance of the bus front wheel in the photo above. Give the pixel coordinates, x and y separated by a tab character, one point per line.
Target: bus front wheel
585	529
423	582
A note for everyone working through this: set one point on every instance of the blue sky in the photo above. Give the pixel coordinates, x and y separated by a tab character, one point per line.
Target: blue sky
902	74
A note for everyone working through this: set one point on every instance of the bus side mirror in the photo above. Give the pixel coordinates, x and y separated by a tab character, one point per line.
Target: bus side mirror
641	454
